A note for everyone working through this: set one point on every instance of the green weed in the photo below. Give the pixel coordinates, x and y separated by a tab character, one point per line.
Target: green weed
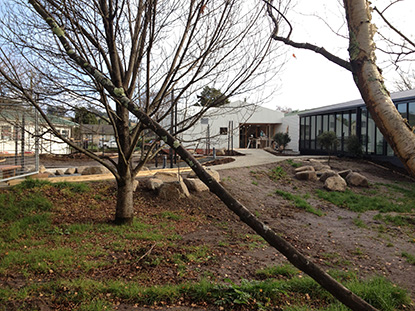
361	203
409	257
277	173
293	164
170	215
299	202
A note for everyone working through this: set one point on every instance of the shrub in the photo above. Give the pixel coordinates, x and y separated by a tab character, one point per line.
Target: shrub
328	141
354	146
282	139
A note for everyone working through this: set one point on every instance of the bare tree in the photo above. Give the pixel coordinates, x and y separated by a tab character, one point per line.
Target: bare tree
158	54
122	100
368	77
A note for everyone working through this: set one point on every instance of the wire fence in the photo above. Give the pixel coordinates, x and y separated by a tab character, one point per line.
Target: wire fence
19	141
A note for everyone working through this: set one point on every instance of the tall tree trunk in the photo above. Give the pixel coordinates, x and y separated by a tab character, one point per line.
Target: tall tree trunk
124	213
396	130
295	257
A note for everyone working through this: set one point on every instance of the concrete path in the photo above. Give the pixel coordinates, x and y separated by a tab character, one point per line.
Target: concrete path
252	157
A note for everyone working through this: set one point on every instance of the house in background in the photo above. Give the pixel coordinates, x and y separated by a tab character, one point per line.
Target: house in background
235	125
96	134
18	130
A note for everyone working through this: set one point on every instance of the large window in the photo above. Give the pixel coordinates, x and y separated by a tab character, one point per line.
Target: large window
6	132
371	140
363	129
307	133
402	108
325	123
411	113
332	122
313	132
379	142
302	133
353	124
319	128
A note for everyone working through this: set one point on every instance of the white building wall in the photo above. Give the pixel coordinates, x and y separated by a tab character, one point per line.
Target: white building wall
292	124
239	112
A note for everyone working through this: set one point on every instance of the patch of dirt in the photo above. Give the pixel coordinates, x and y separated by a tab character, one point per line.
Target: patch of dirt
218	161
333	240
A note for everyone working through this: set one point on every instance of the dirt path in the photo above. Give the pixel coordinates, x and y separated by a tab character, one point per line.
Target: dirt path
333	240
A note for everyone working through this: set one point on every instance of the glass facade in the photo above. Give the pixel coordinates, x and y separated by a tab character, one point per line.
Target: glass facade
347	122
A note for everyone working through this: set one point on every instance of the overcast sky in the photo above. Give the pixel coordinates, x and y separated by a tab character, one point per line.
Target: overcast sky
309	80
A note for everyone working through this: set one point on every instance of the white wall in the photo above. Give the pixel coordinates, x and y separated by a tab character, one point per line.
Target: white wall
292	122
239	112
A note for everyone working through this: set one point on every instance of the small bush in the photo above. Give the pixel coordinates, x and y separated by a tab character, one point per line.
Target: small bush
354	146
282	139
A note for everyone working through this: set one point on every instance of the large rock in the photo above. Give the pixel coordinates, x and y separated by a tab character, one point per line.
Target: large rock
153	183
93	170
195	184
304	168
70	170
30	168
357	180
173	190
306	175
326	174
215	175
59	172
136	183
167	176
80	169
42	169
344	173
335	183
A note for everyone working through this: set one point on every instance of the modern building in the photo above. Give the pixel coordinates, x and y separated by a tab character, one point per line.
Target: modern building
352	118
235	125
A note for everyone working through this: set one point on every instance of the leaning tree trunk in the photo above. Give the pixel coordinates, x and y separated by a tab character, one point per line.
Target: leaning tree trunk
396	130
296	258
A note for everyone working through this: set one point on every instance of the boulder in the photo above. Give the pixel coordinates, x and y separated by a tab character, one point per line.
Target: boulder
93	170
344	173
357	180
304	168
42	175
221	152
213	173
195	184
335	183
80	169
167	176
326	174
70	170
153	183
29	168
306	175
42	169
59	172
318	166
135	184
173	190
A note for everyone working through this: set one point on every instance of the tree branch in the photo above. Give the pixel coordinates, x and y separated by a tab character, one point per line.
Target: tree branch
295	257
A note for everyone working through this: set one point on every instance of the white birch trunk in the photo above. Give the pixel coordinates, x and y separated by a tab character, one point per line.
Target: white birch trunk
369	80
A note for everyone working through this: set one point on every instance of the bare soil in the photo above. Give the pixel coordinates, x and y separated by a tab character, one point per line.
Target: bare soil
332	240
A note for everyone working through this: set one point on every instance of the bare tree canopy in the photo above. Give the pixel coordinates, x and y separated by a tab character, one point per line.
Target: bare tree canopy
158	54
368	77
